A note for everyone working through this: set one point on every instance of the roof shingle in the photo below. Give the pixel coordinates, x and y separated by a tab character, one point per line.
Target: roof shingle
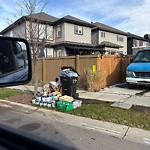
43	17
74	20
109	44
104	27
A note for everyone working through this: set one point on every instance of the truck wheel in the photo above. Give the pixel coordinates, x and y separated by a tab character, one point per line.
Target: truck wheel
130	86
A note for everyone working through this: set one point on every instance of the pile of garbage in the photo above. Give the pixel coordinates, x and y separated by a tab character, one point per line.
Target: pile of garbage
51	95
55	99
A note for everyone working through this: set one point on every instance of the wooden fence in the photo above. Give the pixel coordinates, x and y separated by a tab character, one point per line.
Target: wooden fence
112	67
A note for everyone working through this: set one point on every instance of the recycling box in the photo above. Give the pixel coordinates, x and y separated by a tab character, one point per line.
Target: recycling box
64	105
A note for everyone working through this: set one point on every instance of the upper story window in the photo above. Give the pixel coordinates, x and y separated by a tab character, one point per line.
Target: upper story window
46	32
42	31
135	43
59	31
120	38
78	29
140	43
50	32
146	44
103	34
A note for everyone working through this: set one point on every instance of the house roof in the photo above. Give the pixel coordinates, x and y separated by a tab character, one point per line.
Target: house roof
103	27
84	48
43	17
133	36
76	45
68	43
74	20
109	44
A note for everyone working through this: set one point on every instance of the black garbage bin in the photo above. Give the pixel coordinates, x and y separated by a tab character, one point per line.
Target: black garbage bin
69	83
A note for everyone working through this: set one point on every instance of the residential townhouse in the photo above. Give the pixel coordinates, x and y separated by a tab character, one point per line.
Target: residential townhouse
63	37
109	39
41	28
71	36
136	43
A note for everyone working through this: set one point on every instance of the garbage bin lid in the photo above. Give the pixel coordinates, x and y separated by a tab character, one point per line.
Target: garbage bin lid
67	67
70	68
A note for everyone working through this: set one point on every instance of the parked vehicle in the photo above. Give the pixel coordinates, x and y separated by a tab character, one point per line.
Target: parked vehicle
138	72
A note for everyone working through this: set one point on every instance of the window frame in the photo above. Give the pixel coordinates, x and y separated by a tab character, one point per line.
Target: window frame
120	38
49	37
59	31
76	29
103	34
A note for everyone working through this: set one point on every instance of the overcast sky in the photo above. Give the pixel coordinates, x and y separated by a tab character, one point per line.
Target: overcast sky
127	15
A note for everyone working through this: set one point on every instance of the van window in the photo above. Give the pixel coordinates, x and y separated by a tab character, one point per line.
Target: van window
142	56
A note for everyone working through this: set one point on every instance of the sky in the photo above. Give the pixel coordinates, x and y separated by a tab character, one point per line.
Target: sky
127	15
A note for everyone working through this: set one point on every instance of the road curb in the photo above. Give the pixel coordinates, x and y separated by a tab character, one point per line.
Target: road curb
120	131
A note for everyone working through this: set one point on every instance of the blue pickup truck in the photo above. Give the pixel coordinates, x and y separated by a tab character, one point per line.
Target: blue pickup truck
138	72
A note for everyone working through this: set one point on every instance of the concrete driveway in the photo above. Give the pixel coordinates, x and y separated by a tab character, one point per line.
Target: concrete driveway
121	95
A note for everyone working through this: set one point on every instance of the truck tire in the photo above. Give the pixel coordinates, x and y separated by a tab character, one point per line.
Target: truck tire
130	86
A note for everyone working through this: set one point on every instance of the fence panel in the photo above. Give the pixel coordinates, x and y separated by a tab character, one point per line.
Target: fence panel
53	67
112	67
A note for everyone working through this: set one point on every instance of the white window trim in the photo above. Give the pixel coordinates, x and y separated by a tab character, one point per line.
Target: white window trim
120	38
59	31
103	34
78	29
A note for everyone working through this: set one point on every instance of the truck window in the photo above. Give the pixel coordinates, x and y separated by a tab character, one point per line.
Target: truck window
142	56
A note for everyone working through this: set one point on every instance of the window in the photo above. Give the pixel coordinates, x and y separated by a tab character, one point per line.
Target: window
59	32
103	34
49	52
50	33
34	31
135	44
119	38
78	29
140	43
59	53
42	31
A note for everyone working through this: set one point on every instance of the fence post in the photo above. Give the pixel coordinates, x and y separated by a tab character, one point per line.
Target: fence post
98	62
43	70
77	63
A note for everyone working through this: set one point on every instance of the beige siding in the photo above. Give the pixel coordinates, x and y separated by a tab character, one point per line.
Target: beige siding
112	37
8	33
17	31
72	37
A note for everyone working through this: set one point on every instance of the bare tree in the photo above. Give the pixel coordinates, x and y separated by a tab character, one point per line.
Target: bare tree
34	28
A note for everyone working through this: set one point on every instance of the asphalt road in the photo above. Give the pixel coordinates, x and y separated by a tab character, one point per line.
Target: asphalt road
39	124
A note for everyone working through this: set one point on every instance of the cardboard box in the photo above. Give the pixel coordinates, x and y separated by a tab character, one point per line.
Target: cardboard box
66	98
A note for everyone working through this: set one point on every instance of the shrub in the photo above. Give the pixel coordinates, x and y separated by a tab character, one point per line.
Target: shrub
93	80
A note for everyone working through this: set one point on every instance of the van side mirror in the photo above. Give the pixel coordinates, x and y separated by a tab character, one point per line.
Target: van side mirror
15	61
131	60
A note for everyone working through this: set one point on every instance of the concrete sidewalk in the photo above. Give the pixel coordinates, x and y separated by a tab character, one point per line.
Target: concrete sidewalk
121	100
121	97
